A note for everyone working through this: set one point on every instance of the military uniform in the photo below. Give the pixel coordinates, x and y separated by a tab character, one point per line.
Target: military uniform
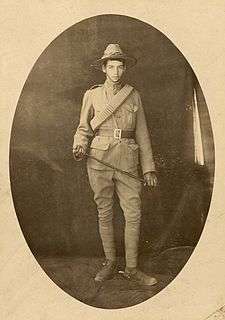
125	153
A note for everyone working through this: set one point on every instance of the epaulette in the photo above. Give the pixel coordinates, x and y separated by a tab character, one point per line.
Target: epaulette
96	86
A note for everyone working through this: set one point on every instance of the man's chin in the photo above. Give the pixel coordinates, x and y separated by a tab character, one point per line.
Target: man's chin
115	80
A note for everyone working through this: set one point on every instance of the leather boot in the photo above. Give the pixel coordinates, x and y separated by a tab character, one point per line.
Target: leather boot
139	277
107	272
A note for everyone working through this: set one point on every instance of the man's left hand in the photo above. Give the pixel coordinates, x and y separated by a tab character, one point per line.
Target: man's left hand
150	179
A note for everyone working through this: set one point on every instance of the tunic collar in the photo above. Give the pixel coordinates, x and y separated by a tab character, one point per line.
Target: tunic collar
113	87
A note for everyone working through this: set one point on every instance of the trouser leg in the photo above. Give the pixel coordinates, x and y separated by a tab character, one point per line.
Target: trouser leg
129	191
103	187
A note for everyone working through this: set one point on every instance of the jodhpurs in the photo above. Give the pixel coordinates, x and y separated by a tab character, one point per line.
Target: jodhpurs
104	183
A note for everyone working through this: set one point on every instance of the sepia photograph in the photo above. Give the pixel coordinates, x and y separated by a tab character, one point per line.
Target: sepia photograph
112	161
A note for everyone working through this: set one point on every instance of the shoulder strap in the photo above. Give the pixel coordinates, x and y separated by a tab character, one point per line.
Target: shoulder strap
96	86
112	106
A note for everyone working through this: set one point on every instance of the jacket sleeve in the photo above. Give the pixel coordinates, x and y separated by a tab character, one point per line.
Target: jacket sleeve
143	139
84	131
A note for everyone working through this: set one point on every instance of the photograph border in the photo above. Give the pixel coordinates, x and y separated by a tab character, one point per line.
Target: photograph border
197	31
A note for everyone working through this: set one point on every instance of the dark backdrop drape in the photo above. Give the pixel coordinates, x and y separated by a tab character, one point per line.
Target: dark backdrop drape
52	197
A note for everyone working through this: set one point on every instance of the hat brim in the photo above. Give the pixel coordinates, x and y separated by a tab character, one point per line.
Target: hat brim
130	61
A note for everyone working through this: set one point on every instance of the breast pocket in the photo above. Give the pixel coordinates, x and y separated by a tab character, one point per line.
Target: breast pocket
129	115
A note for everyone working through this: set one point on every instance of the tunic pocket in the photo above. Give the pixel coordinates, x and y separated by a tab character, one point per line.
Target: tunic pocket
99	145
99	150
130	115
132	155
131	107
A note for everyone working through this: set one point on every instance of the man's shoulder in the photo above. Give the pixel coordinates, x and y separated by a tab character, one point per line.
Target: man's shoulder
135	89
95	86
93	89
135	92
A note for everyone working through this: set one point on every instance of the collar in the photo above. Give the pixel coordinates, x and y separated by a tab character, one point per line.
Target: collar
109	85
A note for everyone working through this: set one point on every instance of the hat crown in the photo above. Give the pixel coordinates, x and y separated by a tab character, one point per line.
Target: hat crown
114	52
111	49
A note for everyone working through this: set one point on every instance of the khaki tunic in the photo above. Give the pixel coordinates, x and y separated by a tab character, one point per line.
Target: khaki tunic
125	154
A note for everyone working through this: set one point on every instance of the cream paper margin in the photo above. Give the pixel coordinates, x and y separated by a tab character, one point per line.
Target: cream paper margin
197	29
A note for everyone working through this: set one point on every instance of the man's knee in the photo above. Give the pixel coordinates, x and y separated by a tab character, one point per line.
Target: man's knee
133	217
105	216
104	206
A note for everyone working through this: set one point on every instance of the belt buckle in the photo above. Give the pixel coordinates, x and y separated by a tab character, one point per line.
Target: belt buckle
117	133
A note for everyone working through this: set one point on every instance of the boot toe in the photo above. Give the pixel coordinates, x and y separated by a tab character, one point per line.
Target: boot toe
140	278
107	272
150	281
98	278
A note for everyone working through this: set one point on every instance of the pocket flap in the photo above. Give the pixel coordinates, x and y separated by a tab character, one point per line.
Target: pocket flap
131	107
99	145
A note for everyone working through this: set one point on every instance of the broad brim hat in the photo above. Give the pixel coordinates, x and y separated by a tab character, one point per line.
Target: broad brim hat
114	52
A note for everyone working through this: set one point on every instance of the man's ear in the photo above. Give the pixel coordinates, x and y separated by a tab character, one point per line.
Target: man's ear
103	68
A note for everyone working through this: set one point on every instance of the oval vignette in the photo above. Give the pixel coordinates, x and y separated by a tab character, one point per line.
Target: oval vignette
51	193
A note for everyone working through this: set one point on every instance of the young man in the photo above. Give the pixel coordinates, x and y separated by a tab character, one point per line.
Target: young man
113	129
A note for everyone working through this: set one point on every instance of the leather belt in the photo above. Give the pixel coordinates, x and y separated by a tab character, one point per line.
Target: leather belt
116	133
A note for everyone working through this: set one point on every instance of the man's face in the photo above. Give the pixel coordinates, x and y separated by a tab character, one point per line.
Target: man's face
114	70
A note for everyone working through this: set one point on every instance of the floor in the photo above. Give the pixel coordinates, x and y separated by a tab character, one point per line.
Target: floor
75	275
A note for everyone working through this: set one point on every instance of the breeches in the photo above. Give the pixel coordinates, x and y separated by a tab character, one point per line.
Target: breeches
104	183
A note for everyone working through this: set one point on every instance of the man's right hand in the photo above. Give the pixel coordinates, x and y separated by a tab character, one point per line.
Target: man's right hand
78	153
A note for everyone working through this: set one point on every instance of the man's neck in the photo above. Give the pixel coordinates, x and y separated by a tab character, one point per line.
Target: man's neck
113	85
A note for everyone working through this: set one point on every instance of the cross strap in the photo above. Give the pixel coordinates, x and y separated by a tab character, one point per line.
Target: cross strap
111	107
